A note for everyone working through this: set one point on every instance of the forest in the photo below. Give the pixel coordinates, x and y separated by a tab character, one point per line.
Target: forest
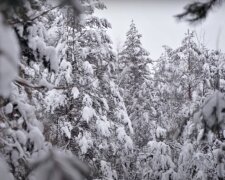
73	108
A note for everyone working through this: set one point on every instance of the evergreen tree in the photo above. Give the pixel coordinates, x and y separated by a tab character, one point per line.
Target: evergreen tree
92	117
134	80
22	139
180	79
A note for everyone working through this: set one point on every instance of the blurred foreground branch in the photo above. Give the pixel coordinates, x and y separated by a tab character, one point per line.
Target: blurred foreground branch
197	11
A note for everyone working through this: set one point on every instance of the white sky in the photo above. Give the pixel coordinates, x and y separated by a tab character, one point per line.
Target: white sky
155	21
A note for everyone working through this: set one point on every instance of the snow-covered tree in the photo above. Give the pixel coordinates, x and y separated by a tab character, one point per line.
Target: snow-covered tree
91	119
135	83
22	140
64	93
180	80
155	162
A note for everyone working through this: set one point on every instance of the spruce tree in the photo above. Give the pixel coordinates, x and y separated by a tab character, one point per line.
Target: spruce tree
134	80
23	29
94	114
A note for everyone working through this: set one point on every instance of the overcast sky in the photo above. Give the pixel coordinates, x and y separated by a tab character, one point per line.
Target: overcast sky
155	21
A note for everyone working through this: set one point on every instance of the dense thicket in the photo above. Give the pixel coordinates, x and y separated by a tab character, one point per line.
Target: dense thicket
71	108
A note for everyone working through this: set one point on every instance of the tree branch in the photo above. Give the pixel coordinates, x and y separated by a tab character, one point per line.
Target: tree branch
197	11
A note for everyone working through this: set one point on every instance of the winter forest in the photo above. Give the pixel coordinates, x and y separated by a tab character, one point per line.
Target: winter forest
74	108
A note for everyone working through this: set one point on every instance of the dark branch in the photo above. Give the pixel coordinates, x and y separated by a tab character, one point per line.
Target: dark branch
197	11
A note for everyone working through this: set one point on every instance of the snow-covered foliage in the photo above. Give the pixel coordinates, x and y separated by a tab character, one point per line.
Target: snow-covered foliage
75	92
60	166
155	162
54	99
4	171
91	101
133	77
65	93
8	61
211	117
22	133
160	132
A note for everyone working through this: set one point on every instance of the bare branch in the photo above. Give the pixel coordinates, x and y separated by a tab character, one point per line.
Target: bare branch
25	83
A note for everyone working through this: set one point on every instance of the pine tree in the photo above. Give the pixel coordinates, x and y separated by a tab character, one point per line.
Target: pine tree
134	80
92	116
22	139
180	78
